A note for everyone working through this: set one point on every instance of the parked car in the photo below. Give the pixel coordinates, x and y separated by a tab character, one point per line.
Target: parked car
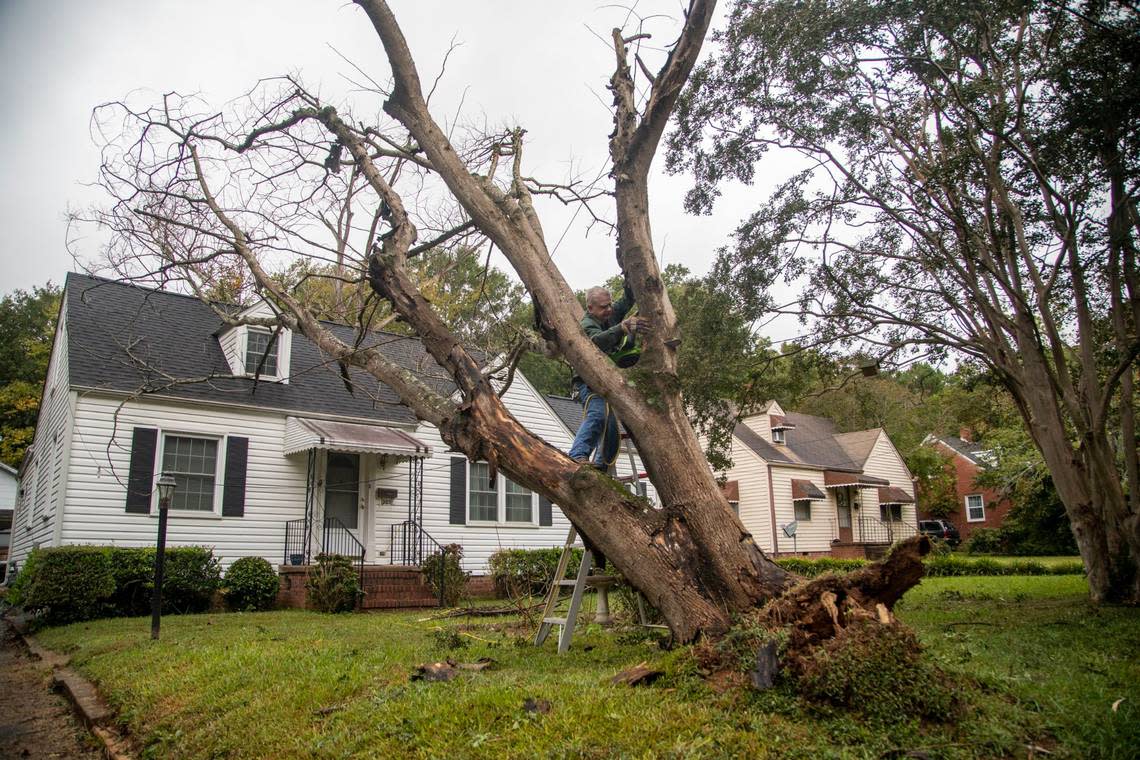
940	529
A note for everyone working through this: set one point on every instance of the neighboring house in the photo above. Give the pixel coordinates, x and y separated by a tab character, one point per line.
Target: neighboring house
848	494
282	467
977	507
9	487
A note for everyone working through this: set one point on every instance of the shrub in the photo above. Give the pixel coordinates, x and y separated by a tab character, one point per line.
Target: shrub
334	584
527	572
250	585
133	571
984	541
454	576
65	584
813	567
190	577
878	671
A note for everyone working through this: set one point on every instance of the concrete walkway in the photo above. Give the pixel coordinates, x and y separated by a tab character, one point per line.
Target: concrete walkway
36	722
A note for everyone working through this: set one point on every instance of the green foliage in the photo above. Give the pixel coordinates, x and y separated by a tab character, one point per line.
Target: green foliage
879	672
984	541
936	480
449	562
809	568
527	572
64	584
27	327
250	585
333	584
190	576
69	583
954	565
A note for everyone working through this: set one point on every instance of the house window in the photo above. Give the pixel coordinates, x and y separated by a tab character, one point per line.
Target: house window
503	501
890	512
194	464
802	509
735	507
260	344
975	508
777	435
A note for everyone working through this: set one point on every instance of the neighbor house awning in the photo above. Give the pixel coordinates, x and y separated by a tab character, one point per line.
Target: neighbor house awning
837	478
302	434
894	495
805	489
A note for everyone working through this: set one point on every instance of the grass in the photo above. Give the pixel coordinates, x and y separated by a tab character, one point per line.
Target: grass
1048	561
1045	668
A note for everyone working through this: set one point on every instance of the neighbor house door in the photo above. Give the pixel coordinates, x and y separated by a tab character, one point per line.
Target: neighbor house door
843	514
342	490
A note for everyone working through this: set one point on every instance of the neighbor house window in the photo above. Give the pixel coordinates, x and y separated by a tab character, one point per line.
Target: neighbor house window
260	344
503	501
194	464
777	435
890	512
975	508
802	509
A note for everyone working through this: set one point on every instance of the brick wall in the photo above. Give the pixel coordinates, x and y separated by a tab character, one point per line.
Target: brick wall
996	508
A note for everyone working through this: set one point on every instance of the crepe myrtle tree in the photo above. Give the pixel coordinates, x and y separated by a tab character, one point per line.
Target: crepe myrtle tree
969	186
197	193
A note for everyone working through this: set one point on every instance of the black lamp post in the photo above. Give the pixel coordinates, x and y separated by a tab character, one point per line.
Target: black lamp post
166	485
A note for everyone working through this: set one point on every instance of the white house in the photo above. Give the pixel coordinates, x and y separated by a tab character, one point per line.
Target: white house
802	488
9	485
281	466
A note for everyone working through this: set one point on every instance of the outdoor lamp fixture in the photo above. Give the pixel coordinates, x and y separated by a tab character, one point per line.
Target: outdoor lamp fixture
166	485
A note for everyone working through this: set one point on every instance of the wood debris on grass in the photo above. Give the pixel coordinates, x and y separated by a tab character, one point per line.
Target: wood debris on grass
447	670
639	675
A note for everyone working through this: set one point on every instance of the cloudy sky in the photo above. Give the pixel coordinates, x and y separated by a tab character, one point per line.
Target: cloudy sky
542	65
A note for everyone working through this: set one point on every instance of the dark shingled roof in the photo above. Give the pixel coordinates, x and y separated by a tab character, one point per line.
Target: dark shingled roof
969	450
568	410
123	337
812	442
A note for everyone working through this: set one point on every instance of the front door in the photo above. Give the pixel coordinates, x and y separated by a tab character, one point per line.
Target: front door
843	512
342	490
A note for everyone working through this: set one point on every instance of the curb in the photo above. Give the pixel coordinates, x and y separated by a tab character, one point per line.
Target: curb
85	699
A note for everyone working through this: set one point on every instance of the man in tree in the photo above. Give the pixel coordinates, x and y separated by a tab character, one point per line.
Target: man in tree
605	323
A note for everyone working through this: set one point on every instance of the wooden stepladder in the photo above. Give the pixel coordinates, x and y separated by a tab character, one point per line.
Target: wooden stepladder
584	578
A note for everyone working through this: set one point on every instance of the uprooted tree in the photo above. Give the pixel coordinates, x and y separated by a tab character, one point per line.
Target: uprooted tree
200	194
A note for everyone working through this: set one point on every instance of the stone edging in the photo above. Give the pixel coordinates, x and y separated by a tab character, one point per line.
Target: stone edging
85	699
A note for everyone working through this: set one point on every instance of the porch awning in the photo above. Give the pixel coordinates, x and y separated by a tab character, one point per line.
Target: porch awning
894	495
303	434
837	478
805	489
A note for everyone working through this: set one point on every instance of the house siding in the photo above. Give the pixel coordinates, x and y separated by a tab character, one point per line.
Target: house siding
96	489
884	462
813	535
751	473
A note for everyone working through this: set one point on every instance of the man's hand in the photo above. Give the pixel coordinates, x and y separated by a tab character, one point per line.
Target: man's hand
634	325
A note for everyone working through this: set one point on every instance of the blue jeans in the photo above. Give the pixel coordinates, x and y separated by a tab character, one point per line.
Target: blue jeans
599	431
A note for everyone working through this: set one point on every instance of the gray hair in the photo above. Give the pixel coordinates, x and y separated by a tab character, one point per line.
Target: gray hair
593	293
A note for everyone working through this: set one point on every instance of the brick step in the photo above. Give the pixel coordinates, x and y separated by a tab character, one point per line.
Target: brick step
397	604
400	576
396	589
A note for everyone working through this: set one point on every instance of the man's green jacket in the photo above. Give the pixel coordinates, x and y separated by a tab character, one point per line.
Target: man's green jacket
608	335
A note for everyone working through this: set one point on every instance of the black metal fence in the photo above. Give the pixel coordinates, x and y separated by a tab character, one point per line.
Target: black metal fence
336	538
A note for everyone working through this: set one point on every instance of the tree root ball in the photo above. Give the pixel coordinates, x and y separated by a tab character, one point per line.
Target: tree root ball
878	671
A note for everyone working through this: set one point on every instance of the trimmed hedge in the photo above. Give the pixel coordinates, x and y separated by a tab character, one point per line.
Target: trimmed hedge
957	566
527	572
69	583
810	568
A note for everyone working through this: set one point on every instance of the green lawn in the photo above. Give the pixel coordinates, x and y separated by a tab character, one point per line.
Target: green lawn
1048	561
1046	669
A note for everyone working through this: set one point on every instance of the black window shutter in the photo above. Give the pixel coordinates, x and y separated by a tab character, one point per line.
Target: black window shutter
140	479
233	490
458	514
544	515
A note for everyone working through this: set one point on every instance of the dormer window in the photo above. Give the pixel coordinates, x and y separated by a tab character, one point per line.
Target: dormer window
777	435
261	353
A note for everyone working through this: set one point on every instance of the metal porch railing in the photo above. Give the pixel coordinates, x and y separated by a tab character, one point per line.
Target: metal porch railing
410	544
